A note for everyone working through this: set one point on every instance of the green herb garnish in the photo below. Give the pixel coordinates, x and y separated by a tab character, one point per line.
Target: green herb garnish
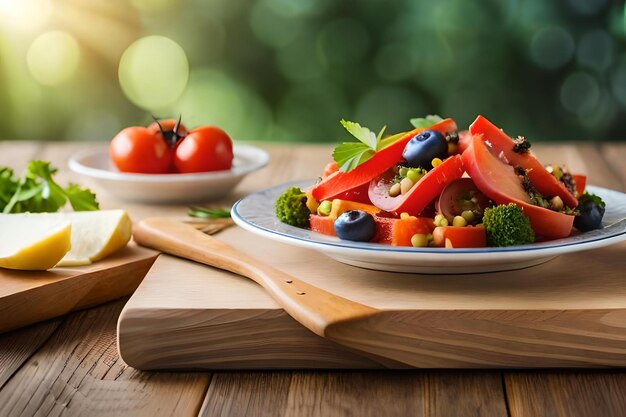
37	192
426	122
349	155
208	213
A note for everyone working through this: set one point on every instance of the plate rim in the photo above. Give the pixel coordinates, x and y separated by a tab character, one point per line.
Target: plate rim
261	159
537	249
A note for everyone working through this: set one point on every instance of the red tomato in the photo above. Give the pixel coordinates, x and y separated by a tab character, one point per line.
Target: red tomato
581	183
460	237
499	182
421	194
384	159
206	148
137	149
502	144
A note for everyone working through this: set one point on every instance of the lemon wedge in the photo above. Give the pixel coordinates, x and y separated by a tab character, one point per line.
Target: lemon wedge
32	242
43	240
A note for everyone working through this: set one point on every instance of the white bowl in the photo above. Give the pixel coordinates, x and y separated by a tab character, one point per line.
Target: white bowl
167	188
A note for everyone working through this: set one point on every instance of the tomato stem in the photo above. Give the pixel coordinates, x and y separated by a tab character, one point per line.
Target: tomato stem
171	137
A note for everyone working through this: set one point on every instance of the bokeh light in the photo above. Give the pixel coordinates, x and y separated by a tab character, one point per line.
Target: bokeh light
580	93
552	47
153	72
213	97
53	57
391	106
275	22
595	50
618	83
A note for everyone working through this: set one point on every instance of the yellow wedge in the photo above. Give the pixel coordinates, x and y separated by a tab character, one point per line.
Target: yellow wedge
31	242
63	239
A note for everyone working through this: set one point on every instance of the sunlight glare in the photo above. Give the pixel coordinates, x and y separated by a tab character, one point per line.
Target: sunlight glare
24	15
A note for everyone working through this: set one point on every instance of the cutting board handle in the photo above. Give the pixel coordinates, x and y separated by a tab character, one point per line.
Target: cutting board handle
313	307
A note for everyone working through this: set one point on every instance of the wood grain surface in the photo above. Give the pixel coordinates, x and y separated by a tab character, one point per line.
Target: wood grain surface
60	290
527	318
27	356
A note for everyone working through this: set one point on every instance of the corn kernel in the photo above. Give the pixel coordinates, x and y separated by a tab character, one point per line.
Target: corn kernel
436	162
404	216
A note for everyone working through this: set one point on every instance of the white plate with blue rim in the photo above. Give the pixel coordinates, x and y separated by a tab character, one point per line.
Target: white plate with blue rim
256	214
167	188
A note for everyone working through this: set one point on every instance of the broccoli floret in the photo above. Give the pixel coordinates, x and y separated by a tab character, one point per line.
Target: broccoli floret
506	225
291	207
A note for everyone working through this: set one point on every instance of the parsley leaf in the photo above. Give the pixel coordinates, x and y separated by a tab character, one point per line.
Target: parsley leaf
363	134
81	199
426	122
37	192
350	155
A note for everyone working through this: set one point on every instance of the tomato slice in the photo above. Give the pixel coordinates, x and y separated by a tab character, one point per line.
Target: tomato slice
422	193
498	181
340	181
460	237
502	144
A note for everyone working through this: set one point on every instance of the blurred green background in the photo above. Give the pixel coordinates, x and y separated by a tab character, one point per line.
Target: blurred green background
289	70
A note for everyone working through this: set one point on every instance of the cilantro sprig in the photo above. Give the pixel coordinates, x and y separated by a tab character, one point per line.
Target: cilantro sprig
37	192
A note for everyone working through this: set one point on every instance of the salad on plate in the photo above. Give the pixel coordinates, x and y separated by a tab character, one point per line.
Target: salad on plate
436	186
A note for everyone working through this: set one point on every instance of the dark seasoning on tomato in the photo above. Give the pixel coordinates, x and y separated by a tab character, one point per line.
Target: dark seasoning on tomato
168	147
434	186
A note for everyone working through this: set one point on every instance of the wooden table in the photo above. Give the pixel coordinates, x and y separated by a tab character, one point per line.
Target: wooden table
69	366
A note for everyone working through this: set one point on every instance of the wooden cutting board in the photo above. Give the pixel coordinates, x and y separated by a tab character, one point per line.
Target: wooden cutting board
568	312
28	297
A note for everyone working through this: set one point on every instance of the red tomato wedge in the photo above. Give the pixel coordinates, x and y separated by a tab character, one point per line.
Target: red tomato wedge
581	183
340	181
460	237
498	181
502	144
426	190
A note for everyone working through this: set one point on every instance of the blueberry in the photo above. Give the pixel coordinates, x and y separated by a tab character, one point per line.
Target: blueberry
355	225
424	147
590	217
